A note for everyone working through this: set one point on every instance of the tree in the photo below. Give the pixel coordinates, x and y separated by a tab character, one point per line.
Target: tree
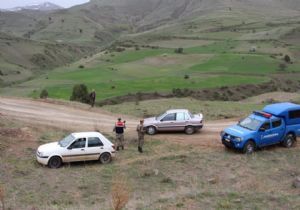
44	94
287	59
80	93
80	30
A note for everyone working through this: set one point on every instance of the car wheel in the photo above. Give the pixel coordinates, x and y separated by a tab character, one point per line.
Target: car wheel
289	141
249	147
151	130
189	130
55	162
105	158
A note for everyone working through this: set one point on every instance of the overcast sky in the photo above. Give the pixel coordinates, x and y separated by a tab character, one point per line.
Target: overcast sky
5	4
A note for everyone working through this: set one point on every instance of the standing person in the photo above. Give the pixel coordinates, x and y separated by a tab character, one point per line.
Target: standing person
93	97
119	129
141	133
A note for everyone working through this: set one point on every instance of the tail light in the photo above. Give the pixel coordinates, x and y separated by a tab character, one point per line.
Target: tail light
201	121
113	146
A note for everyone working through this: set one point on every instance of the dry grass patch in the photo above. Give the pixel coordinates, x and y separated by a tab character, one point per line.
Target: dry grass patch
120	192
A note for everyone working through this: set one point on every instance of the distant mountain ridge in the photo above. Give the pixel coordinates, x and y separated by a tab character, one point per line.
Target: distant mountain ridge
102	21
46	6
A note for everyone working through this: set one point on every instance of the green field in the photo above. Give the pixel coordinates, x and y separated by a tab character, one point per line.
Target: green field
216	53
161	70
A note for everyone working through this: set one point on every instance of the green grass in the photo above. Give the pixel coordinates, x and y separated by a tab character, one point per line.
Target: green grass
215	48
131	55
123	86
244	63
149	70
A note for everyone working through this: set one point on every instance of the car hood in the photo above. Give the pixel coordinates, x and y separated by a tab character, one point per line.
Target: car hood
237	131
50	147
150	120
198	116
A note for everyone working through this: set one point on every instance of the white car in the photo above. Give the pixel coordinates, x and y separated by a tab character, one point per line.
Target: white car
76	147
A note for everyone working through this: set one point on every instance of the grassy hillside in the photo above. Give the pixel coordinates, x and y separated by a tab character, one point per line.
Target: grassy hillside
21	59
225	43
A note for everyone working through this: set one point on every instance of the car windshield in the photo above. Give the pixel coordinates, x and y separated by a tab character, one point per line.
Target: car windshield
159	116
250	123
66	141
191	115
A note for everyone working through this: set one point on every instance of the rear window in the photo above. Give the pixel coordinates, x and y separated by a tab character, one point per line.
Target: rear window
94	142
276	123
294	114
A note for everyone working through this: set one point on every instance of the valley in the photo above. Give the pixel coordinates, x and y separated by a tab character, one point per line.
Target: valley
223	58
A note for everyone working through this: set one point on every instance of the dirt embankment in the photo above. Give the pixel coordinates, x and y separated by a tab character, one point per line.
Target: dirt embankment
234	93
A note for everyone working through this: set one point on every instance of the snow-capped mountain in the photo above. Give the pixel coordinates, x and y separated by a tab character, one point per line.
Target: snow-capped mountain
46	6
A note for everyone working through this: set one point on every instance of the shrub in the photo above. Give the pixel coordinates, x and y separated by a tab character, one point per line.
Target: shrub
186	76
80	93
81	66
2	195
179	50
44	94
287	59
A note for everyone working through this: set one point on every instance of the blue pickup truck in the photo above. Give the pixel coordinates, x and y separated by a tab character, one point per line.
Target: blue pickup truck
276	123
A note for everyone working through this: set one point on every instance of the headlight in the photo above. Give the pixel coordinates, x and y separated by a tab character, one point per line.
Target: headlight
40	154
238	139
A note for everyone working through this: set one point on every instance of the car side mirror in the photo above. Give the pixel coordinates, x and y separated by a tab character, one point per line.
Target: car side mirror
70	148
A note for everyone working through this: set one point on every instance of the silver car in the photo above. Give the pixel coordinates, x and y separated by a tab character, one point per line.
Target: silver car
174	120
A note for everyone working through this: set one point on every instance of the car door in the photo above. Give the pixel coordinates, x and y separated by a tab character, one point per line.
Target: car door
76	151
94	148
277	131
181	121
167	122
265	135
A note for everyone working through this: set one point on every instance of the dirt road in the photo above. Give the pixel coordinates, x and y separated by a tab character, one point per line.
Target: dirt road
78	117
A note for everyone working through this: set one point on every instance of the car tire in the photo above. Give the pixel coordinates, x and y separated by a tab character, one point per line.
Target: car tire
105	158
189	130
151	130
55	162
249	148
288	141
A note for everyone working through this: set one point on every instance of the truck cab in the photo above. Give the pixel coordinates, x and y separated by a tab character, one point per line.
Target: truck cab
276	123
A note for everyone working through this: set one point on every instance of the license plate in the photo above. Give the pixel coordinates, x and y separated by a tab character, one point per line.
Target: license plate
228	140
